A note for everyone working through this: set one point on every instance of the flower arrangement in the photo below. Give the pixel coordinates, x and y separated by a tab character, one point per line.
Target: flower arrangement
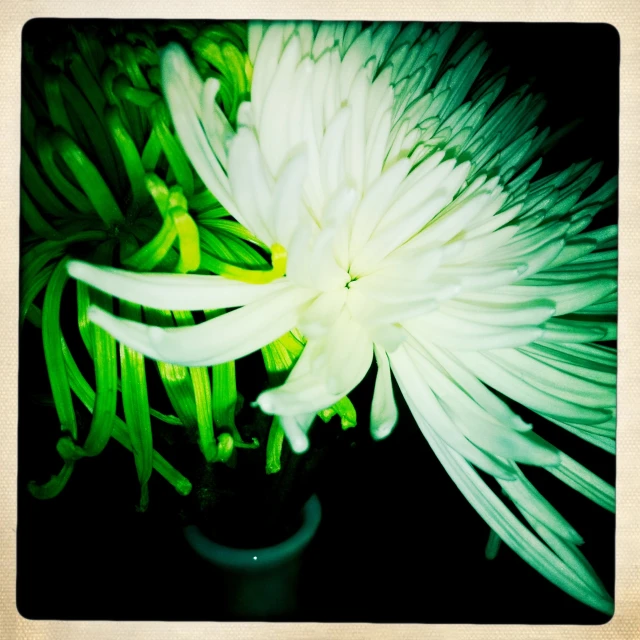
361	196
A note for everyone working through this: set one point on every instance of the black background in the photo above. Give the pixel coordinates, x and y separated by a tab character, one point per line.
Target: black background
398	542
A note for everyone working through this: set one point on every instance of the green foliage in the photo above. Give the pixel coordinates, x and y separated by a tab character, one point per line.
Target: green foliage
105	178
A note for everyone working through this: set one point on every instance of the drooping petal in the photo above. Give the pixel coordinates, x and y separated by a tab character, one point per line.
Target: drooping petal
384	412
515	535
224	338
326	371
177	292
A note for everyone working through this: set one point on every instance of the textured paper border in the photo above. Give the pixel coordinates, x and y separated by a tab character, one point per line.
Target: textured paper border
624	15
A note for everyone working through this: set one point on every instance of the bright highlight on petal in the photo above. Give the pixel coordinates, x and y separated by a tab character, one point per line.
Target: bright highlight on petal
403	193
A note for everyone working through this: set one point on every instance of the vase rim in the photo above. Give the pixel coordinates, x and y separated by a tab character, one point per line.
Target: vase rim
262	557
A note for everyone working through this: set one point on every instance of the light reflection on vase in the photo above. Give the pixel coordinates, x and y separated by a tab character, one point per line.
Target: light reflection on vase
259	584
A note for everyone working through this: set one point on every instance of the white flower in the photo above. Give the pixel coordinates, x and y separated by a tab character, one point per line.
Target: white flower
415	236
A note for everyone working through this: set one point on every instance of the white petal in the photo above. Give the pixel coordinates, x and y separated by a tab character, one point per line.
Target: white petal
531	312
251	185
307	388
375	203
384	412
513	533
510	383
321	314
276	109
170	290
216	126
431	417
182	88
332	167
350	352
222	339
286	206
296	428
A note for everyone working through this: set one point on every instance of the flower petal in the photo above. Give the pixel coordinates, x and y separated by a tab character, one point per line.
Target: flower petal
183	89
178	292
384	412
224	338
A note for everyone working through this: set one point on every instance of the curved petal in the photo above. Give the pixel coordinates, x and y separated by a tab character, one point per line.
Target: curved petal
224	338
384	412
516	535
175	291
296	428
183	90
327	370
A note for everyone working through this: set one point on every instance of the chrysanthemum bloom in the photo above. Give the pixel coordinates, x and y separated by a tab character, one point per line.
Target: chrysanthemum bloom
402	193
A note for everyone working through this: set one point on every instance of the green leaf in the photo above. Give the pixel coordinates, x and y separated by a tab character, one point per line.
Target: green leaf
86	80
52	343
151	152
136	405
54	486
76	198
274	446
152	253
102	347
279	357
98	142
202	397
188	237
34	220
39	189
176	379
31	288
345	409
129	154
89	179
172	150
120	431
55	103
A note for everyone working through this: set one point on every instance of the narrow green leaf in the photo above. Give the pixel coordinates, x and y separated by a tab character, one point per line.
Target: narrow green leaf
98	142
274	446
54	486
52	343
493	545
102	347
187	230
202	397
39	189
76	198
151	254
55	103
121	432
89	179
83	301
151	152
172	149
129	154
279	357
176	379
136	405
345	409
34	219
87	82
30	289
